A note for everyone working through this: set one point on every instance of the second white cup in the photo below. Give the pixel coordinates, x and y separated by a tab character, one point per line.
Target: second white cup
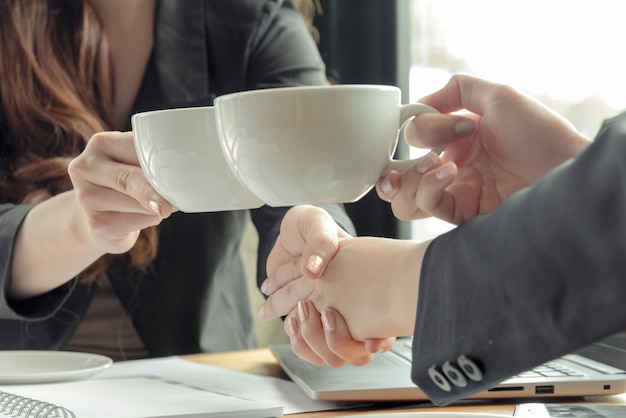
323	144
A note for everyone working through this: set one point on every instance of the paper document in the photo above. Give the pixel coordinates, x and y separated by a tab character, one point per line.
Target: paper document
218	380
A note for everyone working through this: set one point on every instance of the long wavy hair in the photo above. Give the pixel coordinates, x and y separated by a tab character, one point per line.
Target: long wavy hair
56	91
309	9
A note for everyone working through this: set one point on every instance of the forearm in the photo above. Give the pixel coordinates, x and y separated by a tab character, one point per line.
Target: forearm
544	268
51	247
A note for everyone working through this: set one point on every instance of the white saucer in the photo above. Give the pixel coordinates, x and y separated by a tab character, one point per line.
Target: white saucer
24	366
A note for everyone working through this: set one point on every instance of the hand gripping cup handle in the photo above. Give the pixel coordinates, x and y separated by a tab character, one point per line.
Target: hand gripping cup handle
407	112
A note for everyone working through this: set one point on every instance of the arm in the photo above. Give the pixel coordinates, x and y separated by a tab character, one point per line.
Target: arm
482	169
110	203
476	281
509	290
539	277
11	217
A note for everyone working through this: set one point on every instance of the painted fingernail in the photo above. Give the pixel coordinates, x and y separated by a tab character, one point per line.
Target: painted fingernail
444	171
314	264
328	321
291	326
465	127
155	206
261	312
426	163
303	310
382	348
264	287
385	185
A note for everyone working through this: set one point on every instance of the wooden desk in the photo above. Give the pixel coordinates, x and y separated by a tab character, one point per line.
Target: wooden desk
262	362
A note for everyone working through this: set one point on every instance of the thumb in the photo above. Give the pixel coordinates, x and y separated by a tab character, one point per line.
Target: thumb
321	236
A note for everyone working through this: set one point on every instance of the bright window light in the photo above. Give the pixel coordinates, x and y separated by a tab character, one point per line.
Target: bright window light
567	54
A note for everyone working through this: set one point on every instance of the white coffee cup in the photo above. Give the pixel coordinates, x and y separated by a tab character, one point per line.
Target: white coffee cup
296	145
180	155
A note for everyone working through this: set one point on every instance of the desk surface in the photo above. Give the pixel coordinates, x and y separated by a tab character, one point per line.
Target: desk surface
262	362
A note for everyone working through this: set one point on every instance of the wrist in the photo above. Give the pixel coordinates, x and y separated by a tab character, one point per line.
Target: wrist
409	267
49	249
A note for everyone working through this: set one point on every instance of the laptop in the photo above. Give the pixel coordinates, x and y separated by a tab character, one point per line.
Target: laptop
598	369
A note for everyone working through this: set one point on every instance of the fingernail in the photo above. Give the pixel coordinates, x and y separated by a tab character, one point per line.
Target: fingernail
385	185
444	171
155	206
303	310
382	348
314	264
264	287
328	321
261	312
465	127
409	132
292	326
426	163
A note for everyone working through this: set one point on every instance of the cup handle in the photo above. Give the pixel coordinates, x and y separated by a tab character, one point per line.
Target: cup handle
407	112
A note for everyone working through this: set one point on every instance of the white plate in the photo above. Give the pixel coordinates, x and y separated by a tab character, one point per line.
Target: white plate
18	367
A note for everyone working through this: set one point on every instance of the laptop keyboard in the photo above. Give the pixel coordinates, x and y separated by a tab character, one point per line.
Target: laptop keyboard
552	369
403	348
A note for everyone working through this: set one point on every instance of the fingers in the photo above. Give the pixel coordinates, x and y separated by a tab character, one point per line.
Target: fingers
340	341
309	342
379	345
112	230
390	184
104	198
110	162
325	339
298	344
462	92
321	235
308	234
285	299
436	131
282	275
429	195
308	240
420	191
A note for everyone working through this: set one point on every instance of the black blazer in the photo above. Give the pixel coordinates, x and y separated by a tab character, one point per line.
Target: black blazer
539	277
194	297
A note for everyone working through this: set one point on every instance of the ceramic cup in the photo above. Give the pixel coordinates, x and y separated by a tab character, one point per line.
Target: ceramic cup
323	144
180	155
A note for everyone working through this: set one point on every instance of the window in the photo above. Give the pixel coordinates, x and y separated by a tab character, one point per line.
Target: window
567	54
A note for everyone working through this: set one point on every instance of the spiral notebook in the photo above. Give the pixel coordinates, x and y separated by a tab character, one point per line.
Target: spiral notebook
124	398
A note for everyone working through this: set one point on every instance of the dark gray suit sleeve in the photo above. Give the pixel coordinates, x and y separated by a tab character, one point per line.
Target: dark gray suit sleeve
539	277
41	307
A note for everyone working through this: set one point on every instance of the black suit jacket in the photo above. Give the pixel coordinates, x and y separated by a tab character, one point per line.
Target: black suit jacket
539	277
194	297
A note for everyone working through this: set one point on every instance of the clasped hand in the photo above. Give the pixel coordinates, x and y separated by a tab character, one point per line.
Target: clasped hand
354	295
